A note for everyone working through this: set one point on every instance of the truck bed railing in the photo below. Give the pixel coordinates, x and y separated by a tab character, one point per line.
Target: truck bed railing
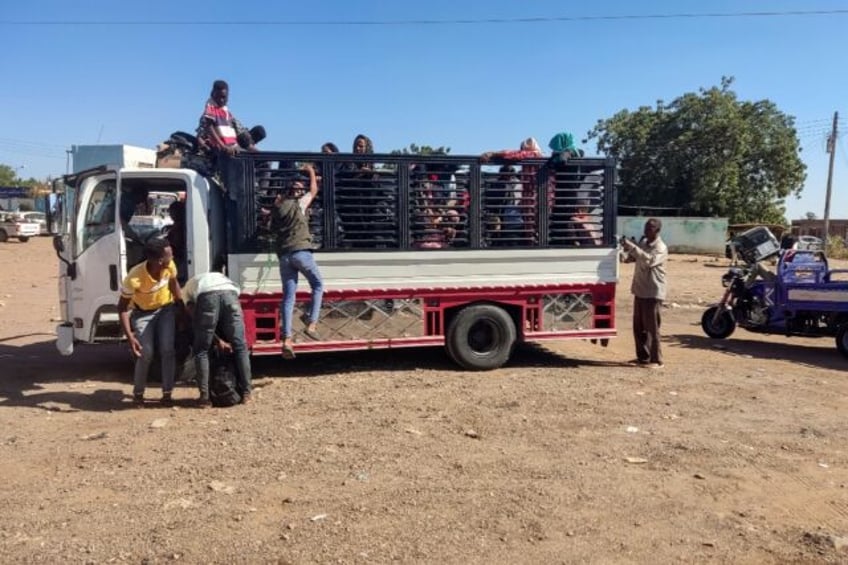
414	202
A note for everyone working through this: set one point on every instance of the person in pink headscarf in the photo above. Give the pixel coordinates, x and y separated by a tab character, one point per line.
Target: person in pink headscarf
529	149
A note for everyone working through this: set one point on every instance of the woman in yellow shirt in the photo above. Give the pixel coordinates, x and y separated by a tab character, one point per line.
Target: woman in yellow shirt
151	290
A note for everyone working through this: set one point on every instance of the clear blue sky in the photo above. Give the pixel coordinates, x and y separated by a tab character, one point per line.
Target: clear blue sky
472	87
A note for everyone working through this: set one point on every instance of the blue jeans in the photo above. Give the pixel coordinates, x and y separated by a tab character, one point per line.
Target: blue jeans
290	265
220	310
152	329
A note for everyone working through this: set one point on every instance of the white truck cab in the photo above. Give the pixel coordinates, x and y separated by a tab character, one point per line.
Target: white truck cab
102	240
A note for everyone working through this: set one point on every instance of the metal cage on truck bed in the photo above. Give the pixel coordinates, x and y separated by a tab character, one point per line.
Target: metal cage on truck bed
393	202
431	250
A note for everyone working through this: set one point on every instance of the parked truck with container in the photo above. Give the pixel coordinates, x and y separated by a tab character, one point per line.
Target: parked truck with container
415	250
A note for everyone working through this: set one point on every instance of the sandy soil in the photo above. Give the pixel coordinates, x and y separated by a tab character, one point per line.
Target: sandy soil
736	452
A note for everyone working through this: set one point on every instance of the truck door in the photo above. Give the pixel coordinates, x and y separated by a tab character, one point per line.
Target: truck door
189	235
93	291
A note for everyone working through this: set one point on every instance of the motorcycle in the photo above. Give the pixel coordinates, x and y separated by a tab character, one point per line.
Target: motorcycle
801	298
742	303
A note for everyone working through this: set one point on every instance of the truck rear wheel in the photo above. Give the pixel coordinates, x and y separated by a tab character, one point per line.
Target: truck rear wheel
3	236
481	337
23	239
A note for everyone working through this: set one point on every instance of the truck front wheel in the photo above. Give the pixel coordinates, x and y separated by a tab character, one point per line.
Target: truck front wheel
3	236
481	337
23	239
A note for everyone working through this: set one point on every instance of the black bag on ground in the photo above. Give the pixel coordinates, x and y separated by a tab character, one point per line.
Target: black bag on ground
222	379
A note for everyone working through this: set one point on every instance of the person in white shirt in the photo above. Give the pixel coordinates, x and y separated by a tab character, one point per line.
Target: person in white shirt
213	300
649	289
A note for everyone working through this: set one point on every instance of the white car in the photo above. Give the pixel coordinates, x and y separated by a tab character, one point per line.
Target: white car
810	243
14	225
39	218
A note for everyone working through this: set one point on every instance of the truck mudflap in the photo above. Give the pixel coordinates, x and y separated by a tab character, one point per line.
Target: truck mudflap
65	338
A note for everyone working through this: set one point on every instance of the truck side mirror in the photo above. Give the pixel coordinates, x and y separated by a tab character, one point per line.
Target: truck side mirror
59	247
58	244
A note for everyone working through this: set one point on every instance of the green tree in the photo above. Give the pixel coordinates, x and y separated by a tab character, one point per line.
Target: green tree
7	176
706	154
414	149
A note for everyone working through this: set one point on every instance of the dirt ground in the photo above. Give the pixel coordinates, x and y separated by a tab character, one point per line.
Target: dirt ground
735	452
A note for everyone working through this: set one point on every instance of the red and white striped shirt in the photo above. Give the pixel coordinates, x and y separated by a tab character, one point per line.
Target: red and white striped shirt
220	118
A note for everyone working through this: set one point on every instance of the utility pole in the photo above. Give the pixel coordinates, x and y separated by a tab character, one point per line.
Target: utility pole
831	148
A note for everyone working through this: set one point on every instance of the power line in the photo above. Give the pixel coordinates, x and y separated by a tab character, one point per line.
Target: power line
427	22
8	140
31	148
814	125
840	137
30	153
810	125
809	134
810	129
816	121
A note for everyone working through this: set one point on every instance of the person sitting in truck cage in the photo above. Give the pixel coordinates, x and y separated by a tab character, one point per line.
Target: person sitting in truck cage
367	206
528	149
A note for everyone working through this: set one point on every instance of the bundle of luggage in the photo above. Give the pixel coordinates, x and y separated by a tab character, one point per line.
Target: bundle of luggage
184	150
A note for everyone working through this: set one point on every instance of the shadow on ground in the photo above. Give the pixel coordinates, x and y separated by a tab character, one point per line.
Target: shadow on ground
41	362
26	372
407	359
822	355
29	370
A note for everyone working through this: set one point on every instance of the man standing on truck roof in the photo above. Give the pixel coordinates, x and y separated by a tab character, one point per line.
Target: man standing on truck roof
219	130
649	291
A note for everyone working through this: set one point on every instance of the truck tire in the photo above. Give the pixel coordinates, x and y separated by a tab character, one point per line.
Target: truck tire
717	329
3	236
23	238
842	340
481	337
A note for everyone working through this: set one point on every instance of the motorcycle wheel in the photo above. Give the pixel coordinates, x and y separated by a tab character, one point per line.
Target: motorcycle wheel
720	328
842	340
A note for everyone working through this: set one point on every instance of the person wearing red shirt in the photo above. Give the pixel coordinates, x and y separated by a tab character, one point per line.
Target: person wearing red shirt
219	130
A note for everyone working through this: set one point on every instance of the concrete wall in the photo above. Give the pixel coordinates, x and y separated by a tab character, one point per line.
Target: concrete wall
682	235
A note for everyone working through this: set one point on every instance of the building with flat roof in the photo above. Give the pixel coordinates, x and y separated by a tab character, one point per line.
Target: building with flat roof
837	228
